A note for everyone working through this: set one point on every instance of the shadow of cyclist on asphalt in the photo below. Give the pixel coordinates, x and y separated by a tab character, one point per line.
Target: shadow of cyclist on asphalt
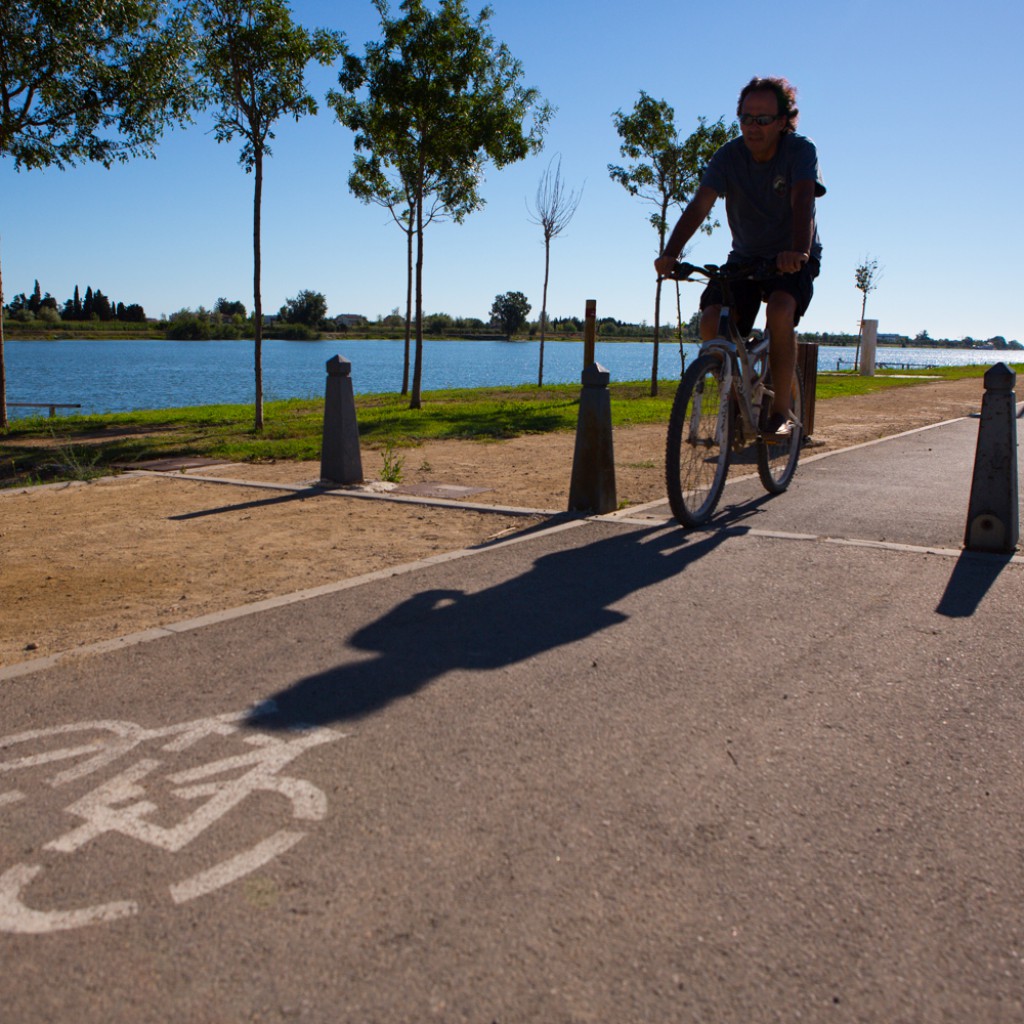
564	597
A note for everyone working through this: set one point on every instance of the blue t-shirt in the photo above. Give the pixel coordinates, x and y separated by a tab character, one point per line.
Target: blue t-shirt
757	195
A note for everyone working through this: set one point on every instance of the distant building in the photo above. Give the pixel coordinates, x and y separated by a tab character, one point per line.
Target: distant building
350	319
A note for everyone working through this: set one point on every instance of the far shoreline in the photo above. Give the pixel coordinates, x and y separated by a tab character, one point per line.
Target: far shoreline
57	337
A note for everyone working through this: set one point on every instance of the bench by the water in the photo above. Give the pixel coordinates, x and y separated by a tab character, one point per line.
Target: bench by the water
52	406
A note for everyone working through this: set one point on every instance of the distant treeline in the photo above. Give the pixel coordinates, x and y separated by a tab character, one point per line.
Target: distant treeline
305	317
95	306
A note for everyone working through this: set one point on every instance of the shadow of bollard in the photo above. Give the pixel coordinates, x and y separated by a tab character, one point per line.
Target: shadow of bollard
993	513
340	461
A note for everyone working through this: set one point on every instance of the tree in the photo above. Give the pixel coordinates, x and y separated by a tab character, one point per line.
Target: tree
509	312
666	171
370	183
101	306
253	60
867	275
441	98
307	307
88	80
553	209
227	308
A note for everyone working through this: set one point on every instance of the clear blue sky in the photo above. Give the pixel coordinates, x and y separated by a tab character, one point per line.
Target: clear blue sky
915	106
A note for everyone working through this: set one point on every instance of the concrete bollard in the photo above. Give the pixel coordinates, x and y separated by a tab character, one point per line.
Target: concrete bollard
993	513
592	488
340	461
868	347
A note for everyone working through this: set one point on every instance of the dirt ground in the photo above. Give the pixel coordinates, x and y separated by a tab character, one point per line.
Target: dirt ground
85	562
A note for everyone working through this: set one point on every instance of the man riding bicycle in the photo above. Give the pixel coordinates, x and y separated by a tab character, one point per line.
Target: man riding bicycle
770	180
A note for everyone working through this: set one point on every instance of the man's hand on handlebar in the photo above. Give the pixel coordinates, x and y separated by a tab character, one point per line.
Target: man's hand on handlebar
664	265
790	262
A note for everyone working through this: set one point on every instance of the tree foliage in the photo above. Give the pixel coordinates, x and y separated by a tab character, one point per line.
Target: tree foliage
228	307
509	312
665	170
432	103
89	81
309	308
253	60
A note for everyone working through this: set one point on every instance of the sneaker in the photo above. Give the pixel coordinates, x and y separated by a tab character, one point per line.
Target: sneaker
779	425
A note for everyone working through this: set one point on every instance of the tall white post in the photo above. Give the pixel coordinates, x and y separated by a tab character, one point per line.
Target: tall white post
868	347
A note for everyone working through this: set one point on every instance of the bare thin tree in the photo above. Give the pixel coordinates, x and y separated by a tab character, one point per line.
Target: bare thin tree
552	209
867	275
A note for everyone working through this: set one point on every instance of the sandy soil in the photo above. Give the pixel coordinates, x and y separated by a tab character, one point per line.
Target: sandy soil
80	563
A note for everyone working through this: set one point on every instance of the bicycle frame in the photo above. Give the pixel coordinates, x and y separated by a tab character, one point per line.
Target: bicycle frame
742	382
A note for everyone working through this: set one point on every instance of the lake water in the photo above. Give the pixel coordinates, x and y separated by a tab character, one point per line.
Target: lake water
120	376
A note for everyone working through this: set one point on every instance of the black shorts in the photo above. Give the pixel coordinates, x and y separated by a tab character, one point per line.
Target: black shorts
748	295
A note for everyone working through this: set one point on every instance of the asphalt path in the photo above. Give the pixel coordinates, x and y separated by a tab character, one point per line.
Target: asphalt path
610	771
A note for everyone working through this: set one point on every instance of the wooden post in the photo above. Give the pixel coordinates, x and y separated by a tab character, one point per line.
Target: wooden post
589	332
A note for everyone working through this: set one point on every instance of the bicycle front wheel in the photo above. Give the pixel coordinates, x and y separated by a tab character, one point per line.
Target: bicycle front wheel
777	457
699	441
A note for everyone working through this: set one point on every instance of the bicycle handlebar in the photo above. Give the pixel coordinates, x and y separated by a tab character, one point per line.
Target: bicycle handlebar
754	270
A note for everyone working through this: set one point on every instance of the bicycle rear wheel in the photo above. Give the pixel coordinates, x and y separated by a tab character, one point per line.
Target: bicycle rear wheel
777	457
699	441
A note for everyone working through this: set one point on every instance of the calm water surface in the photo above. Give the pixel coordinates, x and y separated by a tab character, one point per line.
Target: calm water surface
120	376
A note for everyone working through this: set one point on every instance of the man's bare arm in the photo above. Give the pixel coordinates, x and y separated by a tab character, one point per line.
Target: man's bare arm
686	227
802	202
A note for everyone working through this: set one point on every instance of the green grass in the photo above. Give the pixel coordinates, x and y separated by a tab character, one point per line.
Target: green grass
79	447
832	385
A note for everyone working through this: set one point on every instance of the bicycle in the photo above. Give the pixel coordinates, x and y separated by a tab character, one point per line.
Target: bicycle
722	405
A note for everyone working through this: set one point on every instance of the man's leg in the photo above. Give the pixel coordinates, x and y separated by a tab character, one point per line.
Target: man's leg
709	318
780	314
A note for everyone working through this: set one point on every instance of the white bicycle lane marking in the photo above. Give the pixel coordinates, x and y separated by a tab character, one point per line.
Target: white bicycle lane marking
120	803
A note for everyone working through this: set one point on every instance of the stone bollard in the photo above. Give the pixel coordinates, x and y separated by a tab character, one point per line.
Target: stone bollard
340	462
592	488
993	513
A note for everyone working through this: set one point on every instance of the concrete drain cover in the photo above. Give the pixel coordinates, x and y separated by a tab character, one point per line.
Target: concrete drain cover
431	490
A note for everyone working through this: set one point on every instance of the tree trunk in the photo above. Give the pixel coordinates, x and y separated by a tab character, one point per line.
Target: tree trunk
657	302
657	338
544	309
408	301
417	374
860	333
3	370
257	298
679	320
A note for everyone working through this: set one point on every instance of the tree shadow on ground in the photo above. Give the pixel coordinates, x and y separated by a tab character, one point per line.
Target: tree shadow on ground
564	597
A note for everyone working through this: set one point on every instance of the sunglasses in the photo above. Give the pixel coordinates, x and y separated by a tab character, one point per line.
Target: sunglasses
762	119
